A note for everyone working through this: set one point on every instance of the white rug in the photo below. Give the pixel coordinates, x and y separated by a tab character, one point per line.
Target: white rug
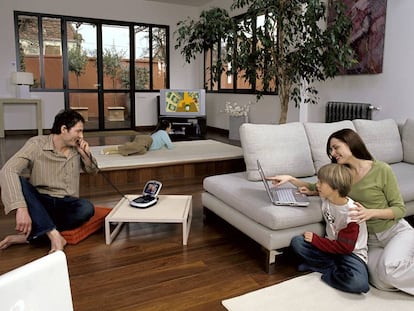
309	293
183	152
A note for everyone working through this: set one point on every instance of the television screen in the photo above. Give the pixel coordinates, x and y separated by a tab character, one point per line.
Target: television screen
182	103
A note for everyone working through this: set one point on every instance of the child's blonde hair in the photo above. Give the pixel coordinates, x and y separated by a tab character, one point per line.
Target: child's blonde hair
337	176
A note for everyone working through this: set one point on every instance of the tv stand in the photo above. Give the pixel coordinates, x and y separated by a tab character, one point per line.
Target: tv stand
186	128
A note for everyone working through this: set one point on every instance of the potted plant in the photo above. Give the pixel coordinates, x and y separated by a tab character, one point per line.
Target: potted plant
237	116
292	49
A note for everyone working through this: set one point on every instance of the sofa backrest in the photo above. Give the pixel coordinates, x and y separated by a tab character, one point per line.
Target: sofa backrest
299	149
382	139
281	149
318	134
407	134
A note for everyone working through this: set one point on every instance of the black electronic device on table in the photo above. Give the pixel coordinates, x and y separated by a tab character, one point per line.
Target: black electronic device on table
149	195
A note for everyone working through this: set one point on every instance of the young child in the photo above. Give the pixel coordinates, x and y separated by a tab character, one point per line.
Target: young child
160	137
341	256
142	143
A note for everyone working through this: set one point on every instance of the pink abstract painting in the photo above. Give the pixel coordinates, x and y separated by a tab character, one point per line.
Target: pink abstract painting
368	32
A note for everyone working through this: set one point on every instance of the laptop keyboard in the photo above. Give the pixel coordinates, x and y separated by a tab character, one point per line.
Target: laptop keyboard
286	195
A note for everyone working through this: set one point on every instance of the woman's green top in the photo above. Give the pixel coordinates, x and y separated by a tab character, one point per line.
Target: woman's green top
379	189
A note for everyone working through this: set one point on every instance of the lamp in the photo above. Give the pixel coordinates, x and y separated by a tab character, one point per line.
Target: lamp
23	80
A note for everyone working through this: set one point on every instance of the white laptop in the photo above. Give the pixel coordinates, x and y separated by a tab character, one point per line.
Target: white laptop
40	285
283	196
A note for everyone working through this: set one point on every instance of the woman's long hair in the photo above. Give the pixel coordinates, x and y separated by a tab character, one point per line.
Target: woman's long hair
355	143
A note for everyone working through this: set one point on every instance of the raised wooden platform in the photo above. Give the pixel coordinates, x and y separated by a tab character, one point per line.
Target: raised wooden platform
132	180
188	163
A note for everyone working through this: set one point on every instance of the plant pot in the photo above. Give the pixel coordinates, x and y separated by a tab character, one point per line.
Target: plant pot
234	124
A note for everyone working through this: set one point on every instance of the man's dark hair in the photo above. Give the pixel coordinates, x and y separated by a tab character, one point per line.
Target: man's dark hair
68	118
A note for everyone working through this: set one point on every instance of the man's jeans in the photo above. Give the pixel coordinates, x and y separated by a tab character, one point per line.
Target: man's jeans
50	213
348	273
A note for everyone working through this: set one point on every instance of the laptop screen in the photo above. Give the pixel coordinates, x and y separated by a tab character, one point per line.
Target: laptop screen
262	175
283	196
42	284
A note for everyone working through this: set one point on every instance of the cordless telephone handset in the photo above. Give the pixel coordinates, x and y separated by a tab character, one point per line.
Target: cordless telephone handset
149	195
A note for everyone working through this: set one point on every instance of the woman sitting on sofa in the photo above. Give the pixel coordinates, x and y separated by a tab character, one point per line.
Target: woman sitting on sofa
378	199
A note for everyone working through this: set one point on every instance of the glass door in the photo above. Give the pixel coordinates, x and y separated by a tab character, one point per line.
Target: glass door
98	74
116	77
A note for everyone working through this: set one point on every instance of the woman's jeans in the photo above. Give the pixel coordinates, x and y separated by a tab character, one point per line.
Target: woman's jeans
344	272
49	213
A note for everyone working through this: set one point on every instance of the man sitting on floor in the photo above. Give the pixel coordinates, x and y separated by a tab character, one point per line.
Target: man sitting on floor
48	202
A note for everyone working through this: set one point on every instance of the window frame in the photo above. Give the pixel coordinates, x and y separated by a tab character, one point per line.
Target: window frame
64	44
236	78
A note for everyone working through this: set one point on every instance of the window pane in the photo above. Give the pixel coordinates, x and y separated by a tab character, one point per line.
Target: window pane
211	57
29	47
117	110
115	40
159	55
142	58
42	54
207	72
244	46
81	39
266	27
226	80
52	53
242	82
87	105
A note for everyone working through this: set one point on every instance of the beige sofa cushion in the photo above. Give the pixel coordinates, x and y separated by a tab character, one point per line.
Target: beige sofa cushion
382	138
318	134
281	149
407	134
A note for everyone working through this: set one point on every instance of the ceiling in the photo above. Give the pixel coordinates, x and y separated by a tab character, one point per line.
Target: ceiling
185	2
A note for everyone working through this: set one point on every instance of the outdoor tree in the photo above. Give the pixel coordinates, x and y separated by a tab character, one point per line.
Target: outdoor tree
112	60
141	77
291	49
159	54
77	58
77	61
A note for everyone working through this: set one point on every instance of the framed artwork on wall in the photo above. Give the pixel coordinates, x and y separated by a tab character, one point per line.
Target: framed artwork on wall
368	32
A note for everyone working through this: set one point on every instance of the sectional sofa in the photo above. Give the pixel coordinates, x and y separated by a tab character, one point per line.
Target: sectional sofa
298	149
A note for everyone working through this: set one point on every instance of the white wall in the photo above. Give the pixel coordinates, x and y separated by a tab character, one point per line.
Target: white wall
182	75
390	90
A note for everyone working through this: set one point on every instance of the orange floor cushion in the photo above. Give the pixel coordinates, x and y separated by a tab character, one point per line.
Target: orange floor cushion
74	236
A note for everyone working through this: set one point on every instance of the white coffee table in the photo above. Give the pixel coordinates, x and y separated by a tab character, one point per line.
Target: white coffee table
169	209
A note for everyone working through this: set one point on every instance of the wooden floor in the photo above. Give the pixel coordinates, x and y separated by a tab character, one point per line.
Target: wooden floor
147	267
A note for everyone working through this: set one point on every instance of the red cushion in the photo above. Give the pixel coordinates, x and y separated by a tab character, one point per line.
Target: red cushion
76	235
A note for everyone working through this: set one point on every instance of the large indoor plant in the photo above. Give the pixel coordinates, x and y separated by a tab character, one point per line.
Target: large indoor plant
301	50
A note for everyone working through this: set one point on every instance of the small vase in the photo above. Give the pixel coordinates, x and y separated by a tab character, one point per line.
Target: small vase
234	124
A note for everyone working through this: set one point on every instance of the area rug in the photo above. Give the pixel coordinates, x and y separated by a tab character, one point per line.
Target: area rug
309	293
183	152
